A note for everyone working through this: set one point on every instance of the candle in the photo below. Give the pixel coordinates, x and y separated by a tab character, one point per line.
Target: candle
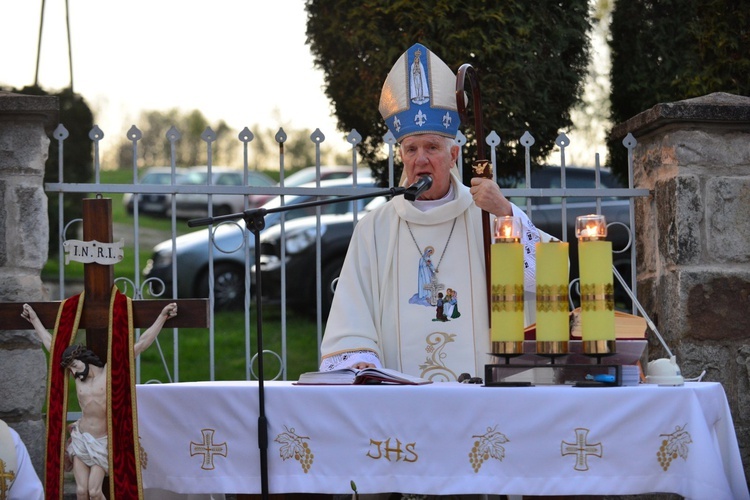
597	290
552	311
506	255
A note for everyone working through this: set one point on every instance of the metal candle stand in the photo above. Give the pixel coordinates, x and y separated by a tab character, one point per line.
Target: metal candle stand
596	374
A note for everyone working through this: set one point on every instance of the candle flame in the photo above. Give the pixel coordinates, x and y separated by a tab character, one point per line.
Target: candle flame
507	231
592	230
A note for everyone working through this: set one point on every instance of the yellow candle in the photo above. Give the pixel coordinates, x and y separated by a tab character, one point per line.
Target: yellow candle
597	290
507	292
552	311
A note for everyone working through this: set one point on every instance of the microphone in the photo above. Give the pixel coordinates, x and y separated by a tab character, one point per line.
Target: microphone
415	190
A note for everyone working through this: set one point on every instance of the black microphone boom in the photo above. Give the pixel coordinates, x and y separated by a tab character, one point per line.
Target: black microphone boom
415	190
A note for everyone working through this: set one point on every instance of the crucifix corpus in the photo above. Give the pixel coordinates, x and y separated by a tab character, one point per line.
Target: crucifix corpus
109	318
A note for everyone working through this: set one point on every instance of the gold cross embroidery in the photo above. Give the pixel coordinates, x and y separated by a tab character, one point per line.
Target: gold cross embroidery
6	479
581	449
208	449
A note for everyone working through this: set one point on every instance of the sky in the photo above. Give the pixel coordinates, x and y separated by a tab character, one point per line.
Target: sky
241	61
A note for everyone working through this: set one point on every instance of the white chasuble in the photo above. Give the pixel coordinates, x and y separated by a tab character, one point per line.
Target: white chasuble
435	297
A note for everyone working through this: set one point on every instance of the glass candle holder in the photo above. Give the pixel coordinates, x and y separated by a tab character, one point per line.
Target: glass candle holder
591	227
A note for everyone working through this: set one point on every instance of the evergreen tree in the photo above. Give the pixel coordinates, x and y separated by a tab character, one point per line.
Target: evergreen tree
530	59
78	158
670	50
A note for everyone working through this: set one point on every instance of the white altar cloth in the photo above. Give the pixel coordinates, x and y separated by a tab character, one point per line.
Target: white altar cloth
443	438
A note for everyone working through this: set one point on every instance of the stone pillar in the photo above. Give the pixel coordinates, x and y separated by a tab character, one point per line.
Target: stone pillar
693	241
24	227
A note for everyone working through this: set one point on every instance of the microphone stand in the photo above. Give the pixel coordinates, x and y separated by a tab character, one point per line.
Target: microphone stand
255	222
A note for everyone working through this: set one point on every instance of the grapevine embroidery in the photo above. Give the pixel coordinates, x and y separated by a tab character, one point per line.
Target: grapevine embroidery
486	446
142	453
675	445
294	446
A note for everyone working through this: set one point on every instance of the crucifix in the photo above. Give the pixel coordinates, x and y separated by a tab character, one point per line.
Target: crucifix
107	318
98	283
433	287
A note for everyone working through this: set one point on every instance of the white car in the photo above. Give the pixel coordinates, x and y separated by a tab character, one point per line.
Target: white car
309	175
196	205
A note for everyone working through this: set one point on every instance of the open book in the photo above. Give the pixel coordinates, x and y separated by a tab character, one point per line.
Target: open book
348	376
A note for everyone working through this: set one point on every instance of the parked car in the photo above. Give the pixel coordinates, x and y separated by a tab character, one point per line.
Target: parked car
546	212
196	205
229	255
309	175
156	203
336	233
300	237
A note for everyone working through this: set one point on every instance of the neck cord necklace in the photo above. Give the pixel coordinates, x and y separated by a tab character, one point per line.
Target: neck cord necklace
444	248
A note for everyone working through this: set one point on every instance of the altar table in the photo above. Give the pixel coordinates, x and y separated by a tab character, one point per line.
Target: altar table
442	438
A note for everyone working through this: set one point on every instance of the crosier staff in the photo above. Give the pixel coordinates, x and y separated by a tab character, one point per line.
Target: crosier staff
481	167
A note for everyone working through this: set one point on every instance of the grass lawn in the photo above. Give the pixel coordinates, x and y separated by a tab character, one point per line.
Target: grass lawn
193	345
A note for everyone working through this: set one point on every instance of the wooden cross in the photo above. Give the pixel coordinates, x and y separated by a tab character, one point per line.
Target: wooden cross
98	283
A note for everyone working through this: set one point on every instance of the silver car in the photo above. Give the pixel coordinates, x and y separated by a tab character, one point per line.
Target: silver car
196	205
154	203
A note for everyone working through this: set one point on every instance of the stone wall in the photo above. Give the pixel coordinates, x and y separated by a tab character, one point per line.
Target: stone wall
693	241
24	228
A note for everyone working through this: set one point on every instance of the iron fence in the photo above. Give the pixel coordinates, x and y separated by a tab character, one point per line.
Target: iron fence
563	195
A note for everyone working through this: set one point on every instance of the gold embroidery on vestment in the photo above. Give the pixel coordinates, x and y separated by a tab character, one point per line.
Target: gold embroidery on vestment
434	367
6	479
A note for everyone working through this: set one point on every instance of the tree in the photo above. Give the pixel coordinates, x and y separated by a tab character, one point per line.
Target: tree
78	157
530	59
155	149
670	50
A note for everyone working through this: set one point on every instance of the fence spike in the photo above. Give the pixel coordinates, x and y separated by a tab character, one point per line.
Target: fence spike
281	135
562	140
317	136
134	134
208	135
493	139
61	133
173	134
354	137
245	135
96	133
